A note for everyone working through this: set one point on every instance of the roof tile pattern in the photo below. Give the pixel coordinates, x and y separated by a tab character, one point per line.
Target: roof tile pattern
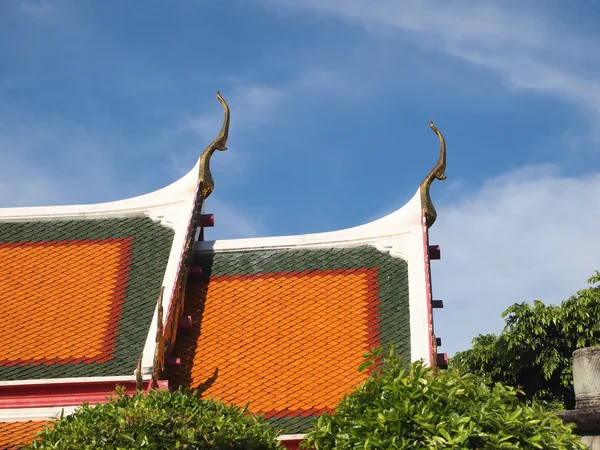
50	304
77	297
14	435
286	330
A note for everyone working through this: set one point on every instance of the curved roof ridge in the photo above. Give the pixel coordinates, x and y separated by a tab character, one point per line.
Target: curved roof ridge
158	205
403	221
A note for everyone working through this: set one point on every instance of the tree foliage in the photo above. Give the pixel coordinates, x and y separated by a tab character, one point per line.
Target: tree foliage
409	406
159	420
534	351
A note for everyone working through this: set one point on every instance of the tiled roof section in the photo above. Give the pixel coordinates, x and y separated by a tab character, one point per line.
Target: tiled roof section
77	297
14	435
286	330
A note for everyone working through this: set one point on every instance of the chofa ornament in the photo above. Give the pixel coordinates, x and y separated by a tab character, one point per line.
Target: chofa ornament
438	172
205	178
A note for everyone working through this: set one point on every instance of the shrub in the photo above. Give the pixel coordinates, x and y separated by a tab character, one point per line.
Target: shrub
159	420
534	351
409	406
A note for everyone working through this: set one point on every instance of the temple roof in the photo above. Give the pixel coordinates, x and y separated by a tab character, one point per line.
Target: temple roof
93	291
96	294
282	323
79	284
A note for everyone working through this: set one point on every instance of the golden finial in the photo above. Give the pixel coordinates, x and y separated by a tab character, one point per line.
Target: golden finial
205	178
139	381
159	351
438	172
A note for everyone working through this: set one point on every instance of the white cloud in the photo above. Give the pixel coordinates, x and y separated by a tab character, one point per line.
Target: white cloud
41	9
24	184
530	234
251	105
230	222
52	162
45	162
36	9
257	105
529	50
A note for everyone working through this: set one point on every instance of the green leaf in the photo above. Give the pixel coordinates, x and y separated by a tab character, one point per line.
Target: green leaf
406	405
157	420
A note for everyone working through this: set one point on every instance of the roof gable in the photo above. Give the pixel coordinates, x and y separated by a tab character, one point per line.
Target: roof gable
77	297
286	330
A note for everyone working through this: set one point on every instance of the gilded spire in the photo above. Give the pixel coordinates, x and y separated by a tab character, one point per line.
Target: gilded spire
207	183
159	352
438	172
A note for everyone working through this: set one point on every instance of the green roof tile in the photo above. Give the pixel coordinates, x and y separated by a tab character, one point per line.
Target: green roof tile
150	244
391	315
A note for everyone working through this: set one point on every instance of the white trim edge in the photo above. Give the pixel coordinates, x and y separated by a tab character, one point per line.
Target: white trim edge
161	206
170	277
27	414
291	437
71	380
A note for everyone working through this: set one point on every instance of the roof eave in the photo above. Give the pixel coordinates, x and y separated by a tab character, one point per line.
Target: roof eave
162	206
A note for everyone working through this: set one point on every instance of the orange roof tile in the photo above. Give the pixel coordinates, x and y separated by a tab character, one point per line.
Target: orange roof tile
16	434
46	316
285	331
254	330
77	297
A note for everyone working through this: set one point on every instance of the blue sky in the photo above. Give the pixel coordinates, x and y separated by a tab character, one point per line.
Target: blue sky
331	101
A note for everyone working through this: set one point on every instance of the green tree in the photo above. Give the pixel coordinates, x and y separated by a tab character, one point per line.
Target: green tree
534	351
409	406
159	420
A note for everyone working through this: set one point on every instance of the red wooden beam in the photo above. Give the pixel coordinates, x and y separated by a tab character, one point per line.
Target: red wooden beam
173	362
442	360
437	303
60	394
195	271
434	252
185	324
207	220
163	384
291	444
428	293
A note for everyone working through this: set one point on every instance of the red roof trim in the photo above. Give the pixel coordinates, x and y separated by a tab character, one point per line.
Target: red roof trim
60	394
295	412
427	267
